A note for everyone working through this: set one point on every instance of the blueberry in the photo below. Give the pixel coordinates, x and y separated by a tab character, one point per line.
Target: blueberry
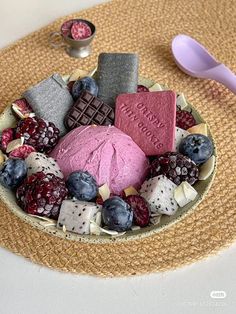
197	147
82	185
12	173
117	214
86	83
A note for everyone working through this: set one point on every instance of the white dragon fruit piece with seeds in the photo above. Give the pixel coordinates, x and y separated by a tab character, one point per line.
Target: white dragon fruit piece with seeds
159	193
180	134
76	216
39	162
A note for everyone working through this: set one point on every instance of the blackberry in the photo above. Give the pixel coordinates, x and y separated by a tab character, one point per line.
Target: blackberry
39	133
184	119
42	194
176	167
140	209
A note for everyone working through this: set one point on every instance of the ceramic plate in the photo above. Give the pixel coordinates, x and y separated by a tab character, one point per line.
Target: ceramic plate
202	187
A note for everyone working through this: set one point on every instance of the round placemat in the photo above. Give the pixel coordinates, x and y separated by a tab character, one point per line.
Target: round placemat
146	27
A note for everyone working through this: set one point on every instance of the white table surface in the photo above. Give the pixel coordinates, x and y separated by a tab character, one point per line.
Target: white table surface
26	288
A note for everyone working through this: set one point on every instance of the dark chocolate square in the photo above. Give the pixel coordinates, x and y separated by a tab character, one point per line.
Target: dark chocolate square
87	110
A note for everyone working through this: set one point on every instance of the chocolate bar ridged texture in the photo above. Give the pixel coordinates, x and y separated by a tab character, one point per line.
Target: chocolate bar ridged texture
117	74
87	110
50	100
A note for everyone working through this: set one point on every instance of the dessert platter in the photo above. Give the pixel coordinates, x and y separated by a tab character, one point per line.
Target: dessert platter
104	155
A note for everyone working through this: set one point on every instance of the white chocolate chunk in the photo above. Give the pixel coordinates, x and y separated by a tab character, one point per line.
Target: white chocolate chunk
98	218
207	168
66	78
184	194
2	157
92	72
181	101
159	193
78	74
155	220
180	196
97	230
7	119
130	191
95	224
199	129
15	144
156	88
76	216
135	228
189	191
15	108
104	192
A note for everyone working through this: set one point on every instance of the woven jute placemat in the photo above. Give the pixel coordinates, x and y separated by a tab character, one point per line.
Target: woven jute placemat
146	27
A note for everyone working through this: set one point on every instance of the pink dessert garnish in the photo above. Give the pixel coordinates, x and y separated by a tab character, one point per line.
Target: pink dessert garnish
66	28
22	108
6	138
140	209
22	152
142	88
80	30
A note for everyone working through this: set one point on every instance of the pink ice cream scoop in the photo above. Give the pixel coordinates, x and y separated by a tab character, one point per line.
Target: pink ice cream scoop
107	153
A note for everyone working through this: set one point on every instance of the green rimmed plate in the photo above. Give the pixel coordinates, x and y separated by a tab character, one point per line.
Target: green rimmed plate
7	120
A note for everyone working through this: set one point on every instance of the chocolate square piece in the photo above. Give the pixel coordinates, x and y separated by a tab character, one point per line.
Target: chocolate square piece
50	100
89	109
117	73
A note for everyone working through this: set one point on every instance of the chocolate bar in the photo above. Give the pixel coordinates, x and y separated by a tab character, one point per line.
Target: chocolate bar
50	100
117	73
89	109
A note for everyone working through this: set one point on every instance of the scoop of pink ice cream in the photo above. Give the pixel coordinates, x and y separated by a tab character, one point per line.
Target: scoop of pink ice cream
107	153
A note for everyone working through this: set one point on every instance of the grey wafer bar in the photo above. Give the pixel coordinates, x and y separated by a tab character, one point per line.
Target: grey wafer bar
117	74
50	100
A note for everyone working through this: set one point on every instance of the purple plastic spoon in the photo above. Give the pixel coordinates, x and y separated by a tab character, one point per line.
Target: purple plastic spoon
193	59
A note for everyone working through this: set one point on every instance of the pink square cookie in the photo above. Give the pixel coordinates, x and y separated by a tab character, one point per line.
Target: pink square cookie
149	119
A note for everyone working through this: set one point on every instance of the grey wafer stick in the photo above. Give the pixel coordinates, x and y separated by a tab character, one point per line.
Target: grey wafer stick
50	100
117	74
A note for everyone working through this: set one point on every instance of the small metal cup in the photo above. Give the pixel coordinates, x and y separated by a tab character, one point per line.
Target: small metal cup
75	48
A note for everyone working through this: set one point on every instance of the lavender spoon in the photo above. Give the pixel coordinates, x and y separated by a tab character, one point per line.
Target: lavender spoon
193	59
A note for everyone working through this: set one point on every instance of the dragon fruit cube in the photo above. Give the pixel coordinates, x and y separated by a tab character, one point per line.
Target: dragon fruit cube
159	193
39	162
180	134
76	215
